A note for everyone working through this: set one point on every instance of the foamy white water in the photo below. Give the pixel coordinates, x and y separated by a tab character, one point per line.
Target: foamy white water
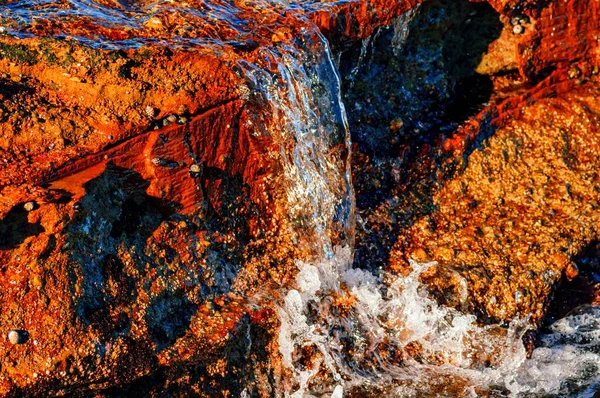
393	315
344	329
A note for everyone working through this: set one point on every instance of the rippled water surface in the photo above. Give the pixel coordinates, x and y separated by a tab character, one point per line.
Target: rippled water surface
118	24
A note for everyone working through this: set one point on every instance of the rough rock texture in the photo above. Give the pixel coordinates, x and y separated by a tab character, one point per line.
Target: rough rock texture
525	203
139	207
506	194
157	212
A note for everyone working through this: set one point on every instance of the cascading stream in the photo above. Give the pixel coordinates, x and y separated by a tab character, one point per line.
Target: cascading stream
346	329
301	88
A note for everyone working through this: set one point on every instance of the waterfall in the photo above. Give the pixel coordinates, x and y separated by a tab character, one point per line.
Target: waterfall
301	88
345	329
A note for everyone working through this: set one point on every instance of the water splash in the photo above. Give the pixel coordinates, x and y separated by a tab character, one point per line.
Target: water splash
401	28
387	334
400	31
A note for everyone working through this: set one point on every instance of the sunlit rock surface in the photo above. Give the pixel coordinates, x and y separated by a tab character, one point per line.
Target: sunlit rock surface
505	194
171	174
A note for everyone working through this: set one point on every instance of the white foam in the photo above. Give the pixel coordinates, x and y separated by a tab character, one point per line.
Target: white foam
308	279
338	392
406	314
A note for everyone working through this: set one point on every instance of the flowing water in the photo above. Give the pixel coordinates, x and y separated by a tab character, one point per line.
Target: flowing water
344	330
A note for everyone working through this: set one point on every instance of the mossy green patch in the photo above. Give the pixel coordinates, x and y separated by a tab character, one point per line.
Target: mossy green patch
18	53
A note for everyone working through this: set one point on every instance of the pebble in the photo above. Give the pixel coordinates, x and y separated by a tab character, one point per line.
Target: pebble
172	118
519	20
16	337
150	112
518	29
571	271
574	72
195	168
29	206
157	161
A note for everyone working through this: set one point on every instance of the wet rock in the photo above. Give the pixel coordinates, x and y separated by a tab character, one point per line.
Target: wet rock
520	207
406	200
136	277
132	272
430	61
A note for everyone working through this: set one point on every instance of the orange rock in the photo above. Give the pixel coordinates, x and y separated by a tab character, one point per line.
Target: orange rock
532	201
122	273
123	270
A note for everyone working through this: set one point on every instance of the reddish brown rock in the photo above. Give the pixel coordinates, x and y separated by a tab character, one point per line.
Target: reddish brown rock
522	201
507	201
133	265
135	271
523	205
360	19
557	35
